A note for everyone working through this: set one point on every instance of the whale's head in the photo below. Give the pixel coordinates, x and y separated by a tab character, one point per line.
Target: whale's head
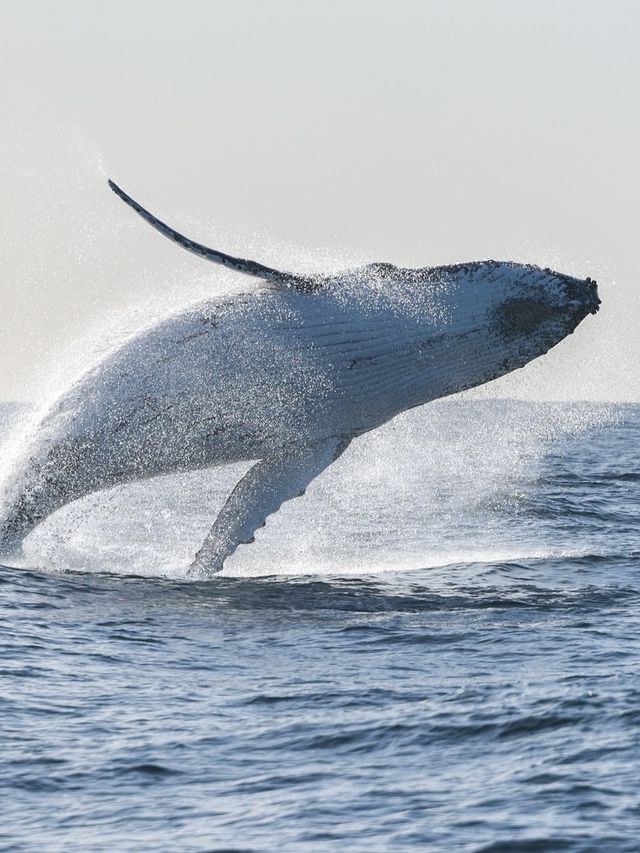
496	317
536	308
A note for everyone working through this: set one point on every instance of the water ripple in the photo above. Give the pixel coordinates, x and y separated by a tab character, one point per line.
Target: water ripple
449	661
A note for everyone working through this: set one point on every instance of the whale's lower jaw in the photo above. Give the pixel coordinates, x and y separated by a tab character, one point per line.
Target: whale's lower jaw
461	364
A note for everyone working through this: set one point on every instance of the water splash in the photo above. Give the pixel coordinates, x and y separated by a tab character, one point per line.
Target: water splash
452	482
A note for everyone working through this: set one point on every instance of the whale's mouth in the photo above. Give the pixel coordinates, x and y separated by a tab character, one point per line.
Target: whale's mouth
594	297
582	294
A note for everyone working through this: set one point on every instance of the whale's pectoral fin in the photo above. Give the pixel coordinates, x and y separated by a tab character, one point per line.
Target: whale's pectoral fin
282	279
261	492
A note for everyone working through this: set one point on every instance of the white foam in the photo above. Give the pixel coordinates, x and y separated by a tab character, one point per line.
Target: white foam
445	484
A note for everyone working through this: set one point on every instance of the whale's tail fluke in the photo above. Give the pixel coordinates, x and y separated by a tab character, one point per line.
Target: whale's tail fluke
281	279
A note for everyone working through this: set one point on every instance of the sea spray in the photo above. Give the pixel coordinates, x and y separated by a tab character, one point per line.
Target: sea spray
448	483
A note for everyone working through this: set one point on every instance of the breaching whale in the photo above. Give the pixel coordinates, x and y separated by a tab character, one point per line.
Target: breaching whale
285	375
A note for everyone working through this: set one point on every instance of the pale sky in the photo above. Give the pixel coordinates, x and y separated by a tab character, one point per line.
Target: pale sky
312	134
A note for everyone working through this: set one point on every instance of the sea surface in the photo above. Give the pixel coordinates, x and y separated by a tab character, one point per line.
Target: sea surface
437	648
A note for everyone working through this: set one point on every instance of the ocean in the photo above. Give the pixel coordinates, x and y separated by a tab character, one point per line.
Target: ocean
437	648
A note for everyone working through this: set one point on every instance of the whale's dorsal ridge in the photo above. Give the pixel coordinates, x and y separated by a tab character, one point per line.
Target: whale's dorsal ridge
253	268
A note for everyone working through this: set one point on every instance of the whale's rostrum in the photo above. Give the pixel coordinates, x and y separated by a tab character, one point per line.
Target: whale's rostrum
285	376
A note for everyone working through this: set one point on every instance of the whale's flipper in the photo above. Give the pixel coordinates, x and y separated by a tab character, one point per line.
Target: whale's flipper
283	279
261	492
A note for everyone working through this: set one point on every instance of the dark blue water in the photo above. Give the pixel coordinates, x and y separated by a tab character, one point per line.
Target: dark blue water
351	696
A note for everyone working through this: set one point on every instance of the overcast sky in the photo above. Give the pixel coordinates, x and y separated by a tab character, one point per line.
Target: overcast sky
313	134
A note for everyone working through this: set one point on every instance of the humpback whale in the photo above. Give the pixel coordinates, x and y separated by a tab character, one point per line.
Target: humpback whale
285	376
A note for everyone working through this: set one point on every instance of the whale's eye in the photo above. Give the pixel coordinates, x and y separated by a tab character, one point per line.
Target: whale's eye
521	316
